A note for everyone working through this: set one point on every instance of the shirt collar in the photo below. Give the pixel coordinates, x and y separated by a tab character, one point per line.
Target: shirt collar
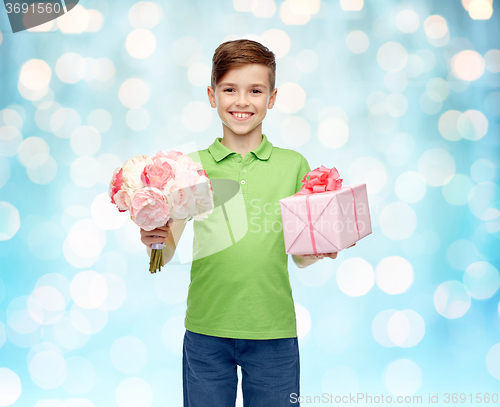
219	151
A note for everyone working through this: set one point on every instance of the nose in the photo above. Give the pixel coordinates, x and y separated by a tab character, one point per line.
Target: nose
242	100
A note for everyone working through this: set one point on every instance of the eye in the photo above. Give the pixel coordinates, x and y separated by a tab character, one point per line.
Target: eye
257	90
225	90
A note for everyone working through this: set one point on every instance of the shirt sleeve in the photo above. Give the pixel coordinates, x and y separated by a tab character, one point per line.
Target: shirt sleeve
303	170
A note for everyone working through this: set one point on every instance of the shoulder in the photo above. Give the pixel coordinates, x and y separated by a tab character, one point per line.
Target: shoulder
290	156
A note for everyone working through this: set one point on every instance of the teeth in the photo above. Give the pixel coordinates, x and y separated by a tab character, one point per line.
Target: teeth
241	115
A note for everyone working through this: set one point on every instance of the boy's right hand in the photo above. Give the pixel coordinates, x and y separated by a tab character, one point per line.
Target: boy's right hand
147	236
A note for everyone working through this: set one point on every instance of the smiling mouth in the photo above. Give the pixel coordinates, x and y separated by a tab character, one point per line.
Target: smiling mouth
241	116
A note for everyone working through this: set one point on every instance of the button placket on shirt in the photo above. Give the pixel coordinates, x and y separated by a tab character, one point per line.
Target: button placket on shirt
242	172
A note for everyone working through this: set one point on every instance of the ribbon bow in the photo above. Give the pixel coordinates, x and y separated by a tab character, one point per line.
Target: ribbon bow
321	179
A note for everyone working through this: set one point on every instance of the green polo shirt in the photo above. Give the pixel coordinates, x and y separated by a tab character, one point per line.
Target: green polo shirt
240	286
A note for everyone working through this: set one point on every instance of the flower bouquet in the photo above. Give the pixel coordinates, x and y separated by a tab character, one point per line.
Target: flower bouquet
157	189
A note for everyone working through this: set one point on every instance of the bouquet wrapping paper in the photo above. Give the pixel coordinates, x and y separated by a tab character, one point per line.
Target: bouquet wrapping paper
324	217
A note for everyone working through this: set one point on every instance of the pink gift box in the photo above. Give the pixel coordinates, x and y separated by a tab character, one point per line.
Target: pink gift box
325	222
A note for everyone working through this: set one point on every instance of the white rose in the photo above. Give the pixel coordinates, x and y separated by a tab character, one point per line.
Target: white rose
180	198
204	200
132	170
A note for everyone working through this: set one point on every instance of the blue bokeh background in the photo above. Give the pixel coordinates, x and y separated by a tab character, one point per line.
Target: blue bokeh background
401	95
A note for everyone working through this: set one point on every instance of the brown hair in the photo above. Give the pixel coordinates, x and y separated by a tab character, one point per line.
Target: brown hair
234	54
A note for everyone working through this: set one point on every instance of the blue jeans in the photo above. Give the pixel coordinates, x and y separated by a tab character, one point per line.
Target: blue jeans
270	371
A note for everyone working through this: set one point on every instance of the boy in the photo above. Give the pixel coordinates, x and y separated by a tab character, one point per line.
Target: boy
240	309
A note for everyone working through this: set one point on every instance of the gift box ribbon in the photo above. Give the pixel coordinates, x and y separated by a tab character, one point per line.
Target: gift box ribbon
321	180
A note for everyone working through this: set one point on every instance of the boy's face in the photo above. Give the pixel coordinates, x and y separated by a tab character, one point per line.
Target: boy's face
243	90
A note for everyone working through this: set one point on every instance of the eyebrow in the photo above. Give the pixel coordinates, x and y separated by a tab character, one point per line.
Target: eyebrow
252	85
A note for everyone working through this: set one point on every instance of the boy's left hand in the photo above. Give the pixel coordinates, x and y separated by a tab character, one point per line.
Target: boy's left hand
323	255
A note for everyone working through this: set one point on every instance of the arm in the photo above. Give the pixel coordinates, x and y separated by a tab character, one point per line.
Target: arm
170	235
302	260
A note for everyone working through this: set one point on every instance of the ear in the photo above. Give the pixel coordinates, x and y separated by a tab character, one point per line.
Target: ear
211	96
272	99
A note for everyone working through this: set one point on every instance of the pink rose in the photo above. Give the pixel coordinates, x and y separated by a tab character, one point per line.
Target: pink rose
186	167
123	201
204	174
157	174
116	184
321	179
180	197
150	208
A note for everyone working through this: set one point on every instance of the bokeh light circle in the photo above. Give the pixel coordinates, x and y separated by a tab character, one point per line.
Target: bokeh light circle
140	43
133	93
197	116
134	392
35	75
456	192
89	289
64	122
398	221
482	280
406	328
10	222
10	141
80	376
292	98
357	42
369	171
100	119
303	320
85	171
33	152
468	65
437	167
452	299
461	253
492	361
333	132
355	277
71	67
472	125
295	131
394	275
48	369
137	119
484	200
105	215
448	125
392	57
145	14
277	41
10	387
407	21
410	187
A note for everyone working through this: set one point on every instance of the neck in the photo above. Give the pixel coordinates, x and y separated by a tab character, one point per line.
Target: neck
242	143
